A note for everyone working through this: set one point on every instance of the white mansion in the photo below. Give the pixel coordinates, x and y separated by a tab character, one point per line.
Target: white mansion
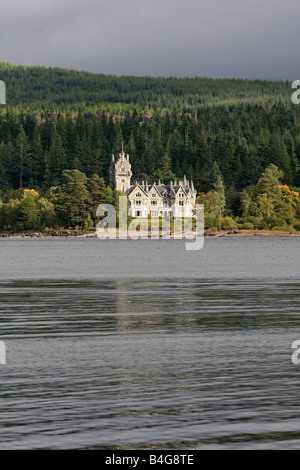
174	200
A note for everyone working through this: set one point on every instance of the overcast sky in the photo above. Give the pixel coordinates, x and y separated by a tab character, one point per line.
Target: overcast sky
214	38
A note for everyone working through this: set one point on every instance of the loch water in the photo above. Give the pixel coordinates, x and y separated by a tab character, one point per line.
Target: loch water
141	344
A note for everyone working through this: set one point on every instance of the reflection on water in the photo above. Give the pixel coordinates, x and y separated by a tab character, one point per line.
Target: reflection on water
157	363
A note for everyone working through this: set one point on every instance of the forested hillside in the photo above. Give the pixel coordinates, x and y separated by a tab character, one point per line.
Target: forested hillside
58	120
70	89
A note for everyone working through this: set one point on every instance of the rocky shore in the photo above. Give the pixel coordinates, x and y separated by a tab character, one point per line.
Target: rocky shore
92	233
49	233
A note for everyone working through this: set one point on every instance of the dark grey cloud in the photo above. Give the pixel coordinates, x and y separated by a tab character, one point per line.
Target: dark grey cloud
216	38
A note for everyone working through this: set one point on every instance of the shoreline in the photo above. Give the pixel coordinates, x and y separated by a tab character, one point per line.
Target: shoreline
92	234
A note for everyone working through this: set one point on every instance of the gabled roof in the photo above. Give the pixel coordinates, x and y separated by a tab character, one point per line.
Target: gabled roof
161	189
178	187
132	188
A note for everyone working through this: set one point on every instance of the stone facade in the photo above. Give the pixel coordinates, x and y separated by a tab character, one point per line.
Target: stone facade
158	200
120	172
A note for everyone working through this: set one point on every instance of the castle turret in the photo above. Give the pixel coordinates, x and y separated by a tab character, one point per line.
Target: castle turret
120	172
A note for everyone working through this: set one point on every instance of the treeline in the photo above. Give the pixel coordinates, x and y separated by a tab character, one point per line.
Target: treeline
72	204
42	87
268	205
35	149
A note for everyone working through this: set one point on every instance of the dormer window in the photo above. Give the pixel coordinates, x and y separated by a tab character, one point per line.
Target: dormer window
138	195
153	195
123	169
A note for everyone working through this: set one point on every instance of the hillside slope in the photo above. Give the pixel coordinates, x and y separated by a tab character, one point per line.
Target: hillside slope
40	86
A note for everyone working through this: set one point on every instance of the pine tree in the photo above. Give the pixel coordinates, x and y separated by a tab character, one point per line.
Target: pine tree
96	187
38	160
22	154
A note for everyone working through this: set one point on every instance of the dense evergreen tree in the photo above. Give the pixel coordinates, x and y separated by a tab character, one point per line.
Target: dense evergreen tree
23	157
72	200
